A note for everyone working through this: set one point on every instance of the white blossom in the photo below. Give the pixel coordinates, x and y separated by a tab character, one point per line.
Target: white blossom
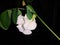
29	24
25	25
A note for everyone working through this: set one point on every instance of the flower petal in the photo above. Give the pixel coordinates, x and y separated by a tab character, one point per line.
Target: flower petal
20	20
21	29
20	23
27	32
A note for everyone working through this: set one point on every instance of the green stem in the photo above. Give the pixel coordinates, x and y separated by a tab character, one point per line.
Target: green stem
48	27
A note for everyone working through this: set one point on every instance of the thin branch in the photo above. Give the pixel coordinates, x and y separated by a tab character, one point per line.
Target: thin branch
48	27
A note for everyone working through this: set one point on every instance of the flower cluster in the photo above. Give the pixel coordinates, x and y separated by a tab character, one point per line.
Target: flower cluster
25	25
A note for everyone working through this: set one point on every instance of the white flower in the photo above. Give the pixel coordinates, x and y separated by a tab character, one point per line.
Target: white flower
25	25
29	24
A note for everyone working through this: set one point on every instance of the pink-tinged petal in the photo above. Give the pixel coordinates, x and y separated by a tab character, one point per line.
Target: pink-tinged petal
20	20
20	28
27	32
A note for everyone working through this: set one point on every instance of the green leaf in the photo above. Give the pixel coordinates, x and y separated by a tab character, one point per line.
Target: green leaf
19	12
2	26
5	19
15	13
29	15
30	8
9	13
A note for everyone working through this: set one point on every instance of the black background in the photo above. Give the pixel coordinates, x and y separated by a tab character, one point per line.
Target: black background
48	10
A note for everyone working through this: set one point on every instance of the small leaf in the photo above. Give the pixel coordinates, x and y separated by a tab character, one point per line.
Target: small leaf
19	12
29	15
2	26
5	20
15	13
30	8
9	13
